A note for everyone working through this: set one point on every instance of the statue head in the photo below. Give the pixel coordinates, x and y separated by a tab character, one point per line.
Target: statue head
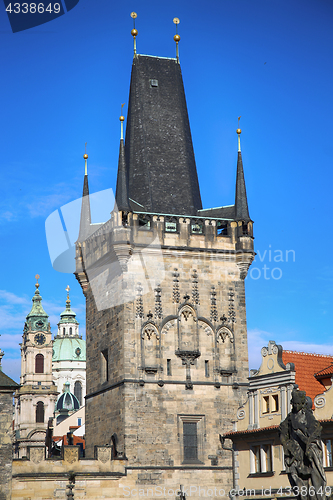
298	400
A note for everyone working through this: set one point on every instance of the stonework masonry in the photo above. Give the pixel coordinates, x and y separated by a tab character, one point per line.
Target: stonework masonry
158	359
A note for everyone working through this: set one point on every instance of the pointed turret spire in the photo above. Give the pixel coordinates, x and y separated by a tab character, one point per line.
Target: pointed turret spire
122	202
85	207
241	207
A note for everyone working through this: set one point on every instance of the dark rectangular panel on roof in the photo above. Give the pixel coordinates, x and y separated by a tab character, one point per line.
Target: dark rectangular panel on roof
158	145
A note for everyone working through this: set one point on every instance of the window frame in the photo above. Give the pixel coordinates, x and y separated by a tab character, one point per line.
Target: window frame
261	459
40	414
201	437
39	364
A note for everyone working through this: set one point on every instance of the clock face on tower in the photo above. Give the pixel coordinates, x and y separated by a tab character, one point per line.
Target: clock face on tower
40	339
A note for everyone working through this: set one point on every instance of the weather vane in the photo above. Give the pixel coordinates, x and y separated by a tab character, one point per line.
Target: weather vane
67	288
176	38
134	31
37	277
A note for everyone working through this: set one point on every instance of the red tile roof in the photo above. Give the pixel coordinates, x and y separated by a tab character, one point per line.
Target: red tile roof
251	431
325	373
270	428
306	366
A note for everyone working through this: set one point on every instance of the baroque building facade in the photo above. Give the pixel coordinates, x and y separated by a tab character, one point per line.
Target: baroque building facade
259	468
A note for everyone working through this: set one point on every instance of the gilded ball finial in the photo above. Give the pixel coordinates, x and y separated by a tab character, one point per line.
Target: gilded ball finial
121	118
238	131
85	156
176	38
134	32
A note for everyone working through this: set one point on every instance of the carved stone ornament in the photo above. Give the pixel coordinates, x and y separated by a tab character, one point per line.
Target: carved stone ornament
264	351
241	413
320	401
37	454
269	390
223	333
104	453
188	357
149	330
71	454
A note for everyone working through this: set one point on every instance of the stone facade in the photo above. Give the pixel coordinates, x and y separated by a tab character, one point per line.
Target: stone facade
7	387
173	349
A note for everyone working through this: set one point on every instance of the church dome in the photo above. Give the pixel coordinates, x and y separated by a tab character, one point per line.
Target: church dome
69	349
68	316
67	400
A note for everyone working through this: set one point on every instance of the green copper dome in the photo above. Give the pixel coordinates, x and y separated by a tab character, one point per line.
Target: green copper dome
67	400
68	316
37	318
69	349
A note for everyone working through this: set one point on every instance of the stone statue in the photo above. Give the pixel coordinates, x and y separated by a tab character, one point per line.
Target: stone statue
48	438
303	455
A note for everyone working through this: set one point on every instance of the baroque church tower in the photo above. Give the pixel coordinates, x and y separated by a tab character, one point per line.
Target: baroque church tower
165	298
36	397
69	355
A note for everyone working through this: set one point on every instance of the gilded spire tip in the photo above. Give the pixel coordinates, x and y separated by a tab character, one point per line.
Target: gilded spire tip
238	131
122	118
85	156
134	31
176	38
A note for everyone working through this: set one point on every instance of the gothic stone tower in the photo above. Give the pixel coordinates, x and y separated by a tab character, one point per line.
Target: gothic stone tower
36	397
167	360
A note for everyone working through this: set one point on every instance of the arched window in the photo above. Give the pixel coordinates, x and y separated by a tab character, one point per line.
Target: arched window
63	331
40	412
78	391
39	363
70	330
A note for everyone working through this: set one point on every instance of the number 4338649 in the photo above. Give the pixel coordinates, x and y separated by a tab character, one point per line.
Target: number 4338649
33	8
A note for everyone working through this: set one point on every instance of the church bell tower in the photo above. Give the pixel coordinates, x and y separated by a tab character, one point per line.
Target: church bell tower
165	297
36	397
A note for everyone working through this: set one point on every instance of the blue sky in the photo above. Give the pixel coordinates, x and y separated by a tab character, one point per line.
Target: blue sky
268	61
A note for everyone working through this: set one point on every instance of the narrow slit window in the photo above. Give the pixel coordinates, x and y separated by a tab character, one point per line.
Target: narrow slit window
206	368
105	365
168	366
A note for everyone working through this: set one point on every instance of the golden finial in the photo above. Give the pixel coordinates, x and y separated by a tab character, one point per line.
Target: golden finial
122	118
176	38
37	278
85	156
134	31
238	131
68	302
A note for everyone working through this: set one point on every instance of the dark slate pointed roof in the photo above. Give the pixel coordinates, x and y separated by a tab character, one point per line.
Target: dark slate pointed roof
85	221
241	208
122	200
158	147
